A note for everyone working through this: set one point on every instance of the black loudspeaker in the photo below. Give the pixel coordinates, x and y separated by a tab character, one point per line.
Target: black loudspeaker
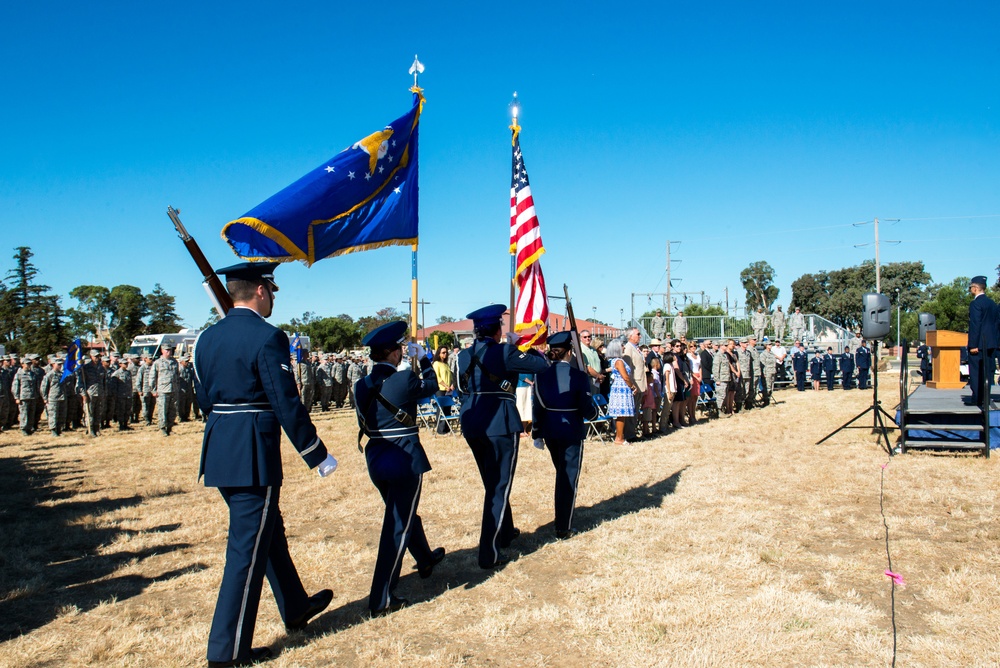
928	323
875	316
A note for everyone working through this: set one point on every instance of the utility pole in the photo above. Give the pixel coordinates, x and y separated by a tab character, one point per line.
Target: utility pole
878	267
423	315
668	304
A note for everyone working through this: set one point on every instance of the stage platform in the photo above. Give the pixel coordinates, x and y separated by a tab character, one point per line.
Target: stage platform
939	419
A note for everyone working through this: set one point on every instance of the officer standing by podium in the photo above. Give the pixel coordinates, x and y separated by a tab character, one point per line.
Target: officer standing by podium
487	376
245	386
562	403
386	408
983	340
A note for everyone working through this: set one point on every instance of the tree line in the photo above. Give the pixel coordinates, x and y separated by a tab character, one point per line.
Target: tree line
33	320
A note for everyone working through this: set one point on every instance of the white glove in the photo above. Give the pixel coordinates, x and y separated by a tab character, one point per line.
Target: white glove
414	350
539	443
328	466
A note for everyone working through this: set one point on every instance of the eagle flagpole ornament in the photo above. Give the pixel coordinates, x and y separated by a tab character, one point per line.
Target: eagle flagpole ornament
531	309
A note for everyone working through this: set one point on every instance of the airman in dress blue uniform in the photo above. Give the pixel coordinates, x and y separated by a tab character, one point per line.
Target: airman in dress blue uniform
924	355
984	339
847	370
487	376
863	360
816	369
244	384
386	409
562	403
830	369
800	361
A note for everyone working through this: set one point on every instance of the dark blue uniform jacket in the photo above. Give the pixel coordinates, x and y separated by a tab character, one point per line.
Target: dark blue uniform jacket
847	364
816	367
394	450
863	358
799	361
244	383
486	407
983	322
562	403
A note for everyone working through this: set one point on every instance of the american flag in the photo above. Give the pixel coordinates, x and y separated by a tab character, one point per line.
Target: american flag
532	308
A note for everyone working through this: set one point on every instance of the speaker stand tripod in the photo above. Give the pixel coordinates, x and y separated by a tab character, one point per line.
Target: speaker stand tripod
878	423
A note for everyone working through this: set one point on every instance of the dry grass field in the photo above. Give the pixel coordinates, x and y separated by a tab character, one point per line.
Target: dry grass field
734	543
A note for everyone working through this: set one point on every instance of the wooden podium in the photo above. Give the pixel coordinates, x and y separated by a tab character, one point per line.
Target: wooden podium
946	356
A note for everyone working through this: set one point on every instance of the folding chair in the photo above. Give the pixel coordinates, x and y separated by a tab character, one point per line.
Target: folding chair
594	426
453	421
427	412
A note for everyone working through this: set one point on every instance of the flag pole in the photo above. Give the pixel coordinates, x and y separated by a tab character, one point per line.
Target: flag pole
415	69
514	130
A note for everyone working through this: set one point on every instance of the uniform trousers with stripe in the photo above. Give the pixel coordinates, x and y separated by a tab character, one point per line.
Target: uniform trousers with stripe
496	457
401	530
567	457
256	546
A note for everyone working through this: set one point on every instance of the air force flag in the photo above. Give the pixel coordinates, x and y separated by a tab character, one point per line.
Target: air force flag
364	197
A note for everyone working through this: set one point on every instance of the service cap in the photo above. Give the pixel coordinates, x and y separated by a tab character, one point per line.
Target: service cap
251	271
487	315
388	335
978	280
561	340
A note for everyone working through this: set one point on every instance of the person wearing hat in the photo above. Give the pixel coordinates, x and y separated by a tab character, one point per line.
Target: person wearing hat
25	395
800	364
38	370
658	325
487	375
6	379
830	369
185	388
562	403
847	370
386	411
324	381
778	323
769	370
244	384
758	323
91	385
145	389
983	323
123	394
341	383
863	361
53	393
679	326
164	380
797	324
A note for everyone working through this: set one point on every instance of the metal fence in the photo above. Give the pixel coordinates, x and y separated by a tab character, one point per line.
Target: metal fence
819	332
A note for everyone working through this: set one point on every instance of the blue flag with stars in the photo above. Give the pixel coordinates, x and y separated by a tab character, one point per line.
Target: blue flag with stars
362	198
74	357
295	347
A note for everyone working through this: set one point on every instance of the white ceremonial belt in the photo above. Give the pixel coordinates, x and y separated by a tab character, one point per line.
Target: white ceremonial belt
255	407
389	434
561	410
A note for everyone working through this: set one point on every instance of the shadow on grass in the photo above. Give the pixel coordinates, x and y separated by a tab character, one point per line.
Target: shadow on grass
50	546
461	569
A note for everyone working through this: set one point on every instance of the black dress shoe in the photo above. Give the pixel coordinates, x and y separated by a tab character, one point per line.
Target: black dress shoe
499	563
257	654
510	539
317	604
437	556
395	604
563	534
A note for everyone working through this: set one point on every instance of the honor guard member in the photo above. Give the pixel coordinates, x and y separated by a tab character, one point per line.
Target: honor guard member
25	395
54	395
163	380
797	323
924	355
387	409
863	361
562	402
487	376
778	322
245	386
91	387
758	322
847	370
800	362
983	340
769	370
830	368
123	401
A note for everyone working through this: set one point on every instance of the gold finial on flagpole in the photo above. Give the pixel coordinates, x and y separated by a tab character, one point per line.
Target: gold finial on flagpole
515	110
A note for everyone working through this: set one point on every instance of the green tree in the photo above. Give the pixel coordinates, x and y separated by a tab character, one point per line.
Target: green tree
162	313
213	317
33	317
381	317
94	307
128	308
442	338
327	334
445	318
758	281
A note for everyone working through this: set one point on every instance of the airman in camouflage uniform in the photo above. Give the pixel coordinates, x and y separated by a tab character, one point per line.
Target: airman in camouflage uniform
92	386
721	374
769	369
53	393
305	379
164	381
123	389
340	386
797	323
324	379
758	322
38	372
185	388
748	372
355	372
110	365
146	389
133	370
25	396
778	322
679	326
11	418
6	380
658	325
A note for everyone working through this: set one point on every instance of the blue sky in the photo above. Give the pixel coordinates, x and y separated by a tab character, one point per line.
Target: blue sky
746	131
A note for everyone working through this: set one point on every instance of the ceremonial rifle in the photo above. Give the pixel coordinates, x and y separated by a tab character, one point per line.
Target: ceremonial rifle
213	285
581	361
